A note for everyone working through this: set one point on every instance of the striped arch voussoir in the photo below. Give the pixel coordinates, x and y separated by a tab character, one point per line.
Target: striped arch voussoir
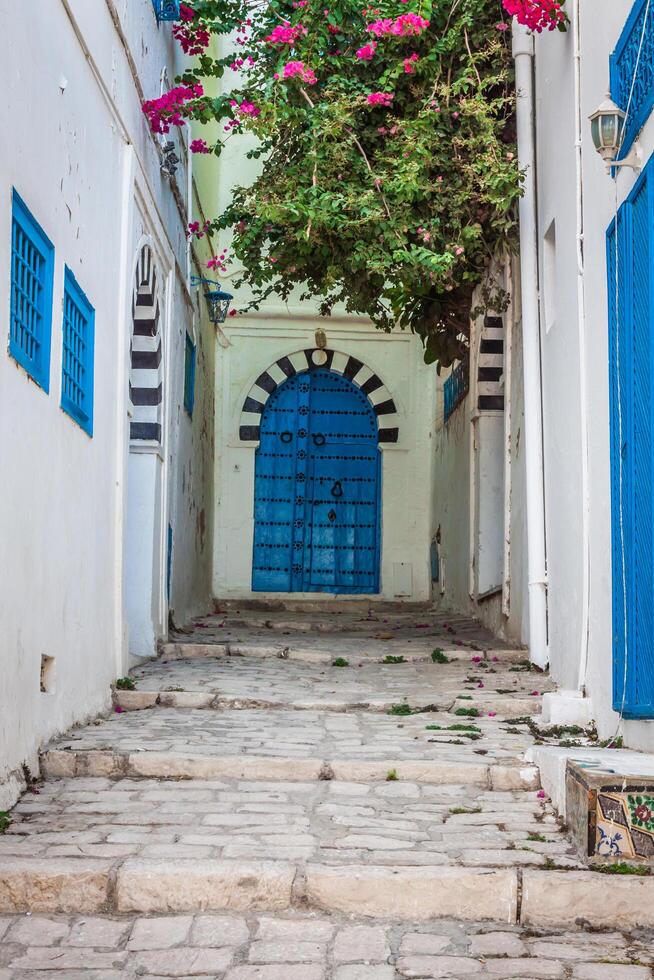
351	368
146	369
490	369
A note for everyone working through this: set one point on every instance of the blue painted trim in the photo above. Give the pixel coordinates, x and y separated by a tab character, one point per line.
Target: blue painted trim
38	370
81	414
637	120
189	375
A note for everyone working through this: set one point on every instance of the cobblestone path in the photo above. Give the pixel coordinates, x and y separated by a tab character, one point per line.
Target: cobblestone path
252	812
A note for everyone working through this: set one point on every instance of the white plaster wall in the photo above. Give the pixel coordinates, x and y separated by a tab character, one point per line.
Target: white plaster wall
78	151
256	343
601	25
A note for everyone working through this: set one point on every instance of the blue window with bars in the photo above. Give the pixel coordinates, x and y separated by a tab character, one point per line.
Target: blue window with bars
166	9
32	272
189	375
77	356
632	71
455	389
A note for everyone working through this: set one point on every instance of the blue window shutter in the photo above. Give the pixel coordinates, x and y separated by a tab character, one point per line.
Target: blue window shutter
189	375
77	367
630	253
32	274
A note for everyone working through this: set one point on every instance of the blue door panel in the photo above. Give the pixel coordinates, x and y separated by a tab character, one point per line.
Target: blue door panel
317	489
630	260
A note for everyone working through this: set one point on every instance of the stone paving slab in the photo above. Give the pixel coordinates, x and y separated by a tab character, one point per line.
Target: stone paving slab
275	682
302	735
326	822
307	947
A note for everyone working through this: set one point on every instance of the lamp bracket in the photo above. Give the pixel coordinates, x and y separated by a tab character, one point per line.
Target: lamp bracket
633	159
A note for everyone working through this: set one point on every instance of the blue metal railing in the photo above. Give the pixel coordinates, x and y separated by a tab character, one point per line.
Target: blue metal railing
166	9
628	69
455	388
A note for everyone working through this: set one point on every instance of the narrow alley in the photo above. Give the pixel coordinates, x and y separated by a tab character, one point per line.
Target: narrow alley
289	795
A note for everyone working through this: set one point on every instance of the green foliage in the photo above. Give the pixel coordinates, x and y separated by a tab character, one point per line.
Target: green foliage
401	709
126	684
340	662
391	776
621	868
467	712
389	659
394	212
5	821
465	809
438	657
537	837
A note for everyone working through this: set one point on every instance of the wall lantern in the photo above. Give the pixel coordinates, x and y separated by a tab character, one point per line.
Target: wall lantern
218	301
607	130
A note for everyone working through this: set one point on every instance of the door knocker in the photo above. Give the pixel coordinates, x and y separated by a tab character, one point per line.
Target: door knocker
286	437
318	439
337	489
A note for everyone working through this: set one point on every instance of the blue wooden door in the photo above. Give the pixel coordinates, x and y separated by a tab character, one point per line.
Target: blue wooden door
630	263
317	489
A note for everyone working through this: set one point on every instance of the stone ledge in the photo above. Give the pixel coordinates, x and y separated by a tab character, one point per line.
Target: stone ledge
560	898
197	885
415	893
54	884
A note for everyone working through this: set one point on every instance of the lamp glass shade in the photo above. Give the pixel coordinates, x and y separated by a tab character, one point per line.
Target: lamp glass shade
606	127
218	303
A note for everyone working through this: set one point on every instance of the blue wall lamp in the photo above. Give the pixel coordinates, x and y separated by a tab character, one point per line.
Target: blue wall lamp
218	301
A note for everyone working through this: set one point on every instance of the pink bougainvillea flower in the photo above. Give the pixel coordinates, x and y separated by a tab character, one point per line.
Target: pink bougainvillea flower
535	694
186	13
496	660
476	659
199	146
367	52
458	251
406	25
118	709
232	313
536	15
166	111
481	684
380	98
501	26
409	63
297	69
541	794
285	34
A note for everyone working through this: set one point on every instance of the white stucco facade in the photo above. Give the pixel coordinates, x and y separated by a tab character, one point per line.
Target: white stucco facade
79	153
576	385
255	343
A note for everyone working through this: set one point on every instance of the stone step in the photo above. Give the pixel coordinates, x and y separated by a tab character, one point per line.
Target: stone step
304	653
177	765
534	898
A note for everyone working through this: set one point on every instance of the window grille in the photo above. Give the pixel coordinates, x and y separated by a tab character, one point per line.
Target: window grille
32	271
624	75
77	358
189	375
455	388
166	9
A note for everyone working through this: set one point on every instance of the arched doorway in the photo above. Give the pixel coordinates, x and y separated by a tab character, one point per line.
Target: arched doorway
145	526
317	488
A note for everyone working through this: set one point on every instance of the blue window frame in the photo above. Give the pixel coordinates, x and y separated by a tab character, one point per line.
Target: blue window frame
189	376
166	9
32	273
77	354
631	75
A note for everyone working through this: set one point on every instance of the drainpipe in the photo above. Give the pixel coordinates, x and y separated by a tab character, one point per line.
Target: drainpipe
583	400
523	53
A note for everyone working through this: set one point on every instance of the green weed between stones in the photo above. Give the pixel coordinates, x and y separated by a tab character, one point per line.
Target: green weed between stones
623	869
5	821
465	809
438	657
390	659
340	662
125	684
467	712
401	709
391	776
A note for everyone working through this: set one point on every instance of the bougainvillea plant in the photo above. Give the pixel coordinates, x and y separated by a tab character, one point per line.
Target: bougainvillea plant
387	174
